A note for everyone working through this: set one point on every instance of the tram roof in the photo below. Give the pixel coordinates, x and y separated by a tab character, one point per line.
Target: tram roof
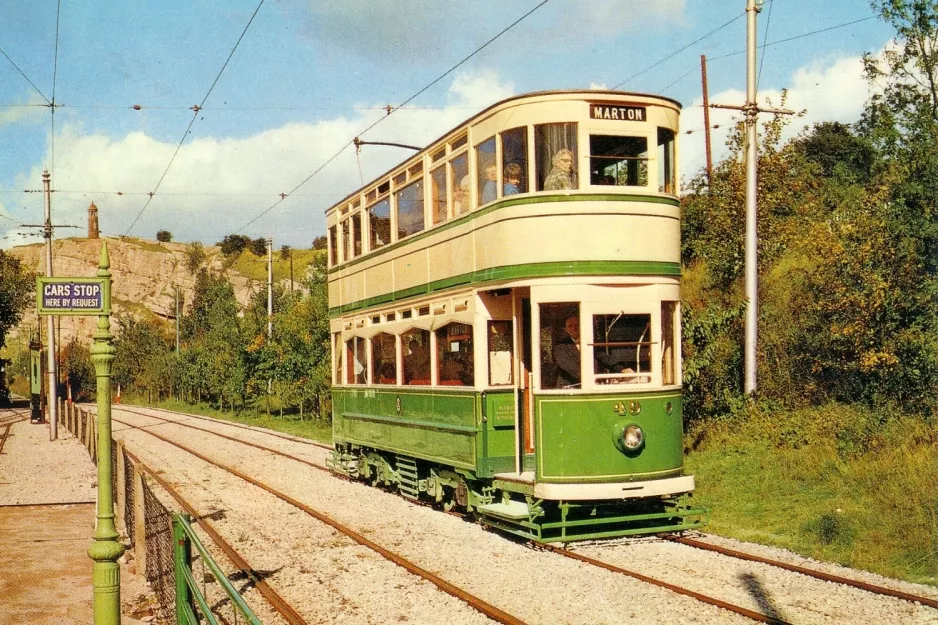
523	96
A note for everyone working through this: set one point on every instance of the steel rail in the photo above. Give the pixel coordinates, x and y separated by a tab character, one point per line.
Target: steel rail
234	424
477	603
276	601
756	616
230	438
827	577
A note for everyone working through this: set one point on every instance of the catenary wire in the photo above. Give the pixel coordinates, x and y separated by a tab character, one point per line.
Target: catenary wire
676	52
194	116
55	73
768	20
32	84
391	110
802	36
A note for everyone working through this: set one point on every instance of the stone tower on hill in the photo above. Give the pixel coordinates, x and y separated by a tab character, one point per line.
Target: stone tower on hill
93	221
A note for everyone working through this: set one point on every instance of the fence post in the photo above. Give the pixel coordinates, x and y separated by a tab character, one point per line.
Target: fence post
140	522
182	561
121	494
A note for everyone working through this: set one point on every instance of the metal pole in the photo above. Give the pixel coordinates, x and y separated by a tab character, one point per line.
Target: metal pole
51	365
706	108
105	549
177	319
270	288
752	262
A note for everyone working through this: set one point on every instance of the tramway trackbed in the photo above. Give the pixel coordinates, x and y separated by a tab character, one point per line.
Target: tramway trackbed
684	540
475	602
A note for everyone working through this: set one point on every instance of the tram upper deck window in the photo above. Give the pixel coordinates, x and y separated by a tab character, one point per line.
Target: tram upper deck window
460	186
555	157
410	219
438	194
622	348
619	161
333	246
667	173
379	221
515	161
346	241
487	169
356	234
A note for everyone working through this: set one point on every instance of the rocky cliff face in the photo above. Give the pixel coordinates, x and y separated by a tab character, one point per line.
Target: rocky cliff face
144	276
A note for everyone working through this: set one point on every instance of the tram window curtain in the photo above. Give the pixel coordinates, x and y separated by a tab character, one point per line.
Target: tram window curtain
549	140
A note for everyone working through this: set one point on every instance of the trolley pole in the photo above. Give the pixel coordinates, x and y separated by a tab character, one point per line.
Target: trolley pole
106	549
51	364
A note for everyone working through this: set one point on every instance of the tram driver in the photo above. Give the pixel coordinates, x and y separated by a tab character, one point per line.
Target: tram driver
567	354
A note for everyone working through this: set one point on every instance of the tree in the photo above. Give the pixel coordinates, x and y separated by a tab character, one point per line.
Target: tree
195	256
320	242
258	246
17	288
164	236
233	244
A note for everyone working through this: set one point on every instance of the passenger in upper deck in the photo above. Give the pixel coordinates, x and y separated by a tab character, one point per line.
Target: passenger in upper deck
512	179
489	188
561	176
461	197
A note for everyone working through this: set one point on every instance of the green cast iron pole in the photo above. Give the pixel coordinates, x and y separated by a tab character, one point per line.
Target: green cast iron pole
106	549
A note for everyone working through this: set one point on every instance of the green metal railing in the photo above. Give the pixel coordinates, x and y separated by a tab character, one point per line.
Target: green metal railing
188	593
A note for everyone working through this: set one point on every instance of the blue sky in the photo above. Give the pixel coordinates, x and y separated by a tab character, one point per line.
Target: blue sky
308	76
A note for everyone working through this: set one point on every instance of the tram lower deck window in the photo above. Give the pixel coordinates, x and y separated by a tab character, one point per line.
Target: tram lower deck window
622	348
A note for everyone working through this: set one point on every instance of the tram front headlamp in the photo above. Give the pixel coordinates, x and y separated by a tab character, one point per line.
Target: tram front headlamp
633	438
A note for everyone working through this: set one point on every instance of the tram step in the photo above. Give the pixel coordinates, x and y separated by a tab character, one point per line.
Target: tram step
509	510
407	470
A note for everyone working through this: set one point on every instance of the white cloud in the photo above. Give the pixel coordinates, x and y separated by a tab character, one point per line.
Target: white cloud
833	90
216	185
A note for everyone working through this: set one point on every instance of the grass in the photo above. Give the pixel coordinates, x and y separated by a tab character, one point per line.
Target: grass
837	483
255	267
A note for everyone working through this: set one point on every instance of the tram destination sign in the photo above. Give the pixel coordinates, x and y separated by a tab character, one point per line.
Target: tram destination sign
71	296
607	110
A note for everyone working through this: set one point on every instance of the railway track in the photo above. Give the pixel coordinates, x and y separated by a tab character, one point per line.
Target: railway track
473	601
770	617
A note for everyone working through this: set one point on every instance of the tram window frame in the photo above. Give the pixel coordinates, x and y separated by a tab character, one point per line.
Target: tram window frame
454	355
460	196
346	240
486	155
384	358
439	192
377	224
612	360
411	368
628	169
514	151
670	343
356	351
553	345
339	365
549	140
415	213
333	245
667	171
356	219
499	336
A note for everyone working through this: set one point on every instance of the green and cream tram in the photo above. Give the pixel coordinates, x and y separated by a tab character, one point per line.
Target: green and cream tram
505	320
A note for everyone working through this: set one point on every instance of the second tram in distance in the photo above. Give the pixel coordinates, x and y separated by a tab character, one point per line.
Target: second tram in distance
505	319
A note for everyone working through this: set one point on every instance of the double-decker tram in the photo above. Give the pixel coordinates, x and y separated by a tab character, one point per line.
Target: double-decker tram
505	320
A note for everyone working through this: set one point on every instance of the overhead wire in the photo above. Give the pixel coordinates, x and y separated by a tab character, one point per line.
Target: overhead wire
676	52
55	72
32	84
801	36
391	110
195	115
768	20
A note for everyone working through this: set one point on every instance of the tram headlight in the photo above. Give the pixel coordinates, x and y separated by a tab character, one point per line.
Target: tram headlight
633	437
629	438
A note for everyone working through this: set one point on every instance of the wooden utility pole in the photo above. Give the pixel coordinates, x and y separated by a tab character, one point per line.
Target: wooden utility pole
706	108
